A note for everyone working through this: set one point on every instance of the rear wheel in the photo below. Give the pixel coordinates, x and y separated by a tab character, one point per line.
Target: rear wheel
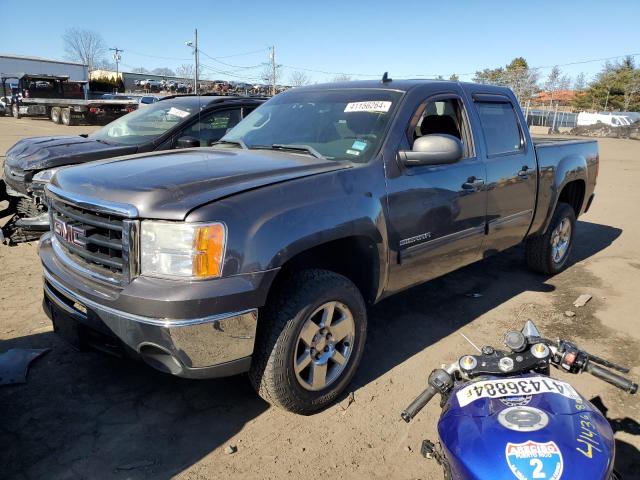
310	341
549	253
67	118
55	115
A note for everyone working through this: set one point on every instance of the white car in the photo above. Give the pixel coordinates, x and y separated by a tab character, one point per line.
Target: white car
613	120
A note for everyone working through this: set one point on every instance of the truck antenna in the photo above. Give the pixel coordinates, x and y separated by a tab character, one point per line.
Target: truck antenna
385	78
472	344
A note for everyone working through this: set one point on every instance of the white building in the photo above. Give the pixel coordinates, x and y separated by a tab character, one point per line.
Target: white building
43	66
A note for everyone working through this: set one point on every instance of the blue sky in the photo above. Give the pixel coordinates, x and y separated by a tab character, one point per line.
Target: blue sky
406	38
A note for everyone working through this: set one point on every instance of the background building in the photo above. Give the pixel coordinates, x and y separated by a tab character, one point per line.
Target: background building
43	66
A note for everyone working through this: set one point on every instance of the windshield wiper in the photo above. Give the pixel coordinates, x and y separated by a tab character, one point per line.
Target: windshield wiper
299	148
238	142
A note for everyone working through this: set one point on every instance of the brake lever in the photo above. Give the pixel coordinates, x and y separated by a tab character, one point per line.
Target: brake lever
607	363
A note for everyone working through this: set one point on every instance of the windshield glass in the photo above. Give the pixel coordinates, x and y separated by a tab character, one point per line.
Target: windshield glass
346	124
144	124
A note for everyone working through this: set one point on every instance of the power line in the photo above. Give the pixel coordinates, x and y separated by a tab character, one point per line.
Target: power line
243	54
158	56
228	64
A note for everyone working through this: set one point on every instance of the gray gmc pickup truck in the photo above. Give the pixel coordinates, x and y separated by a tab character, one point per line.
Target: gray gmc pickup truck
261	253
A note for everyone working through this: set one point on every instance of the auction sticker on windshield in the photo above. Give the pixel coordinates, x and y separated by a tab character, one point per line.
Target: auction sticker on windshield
371	106
176	112
515	386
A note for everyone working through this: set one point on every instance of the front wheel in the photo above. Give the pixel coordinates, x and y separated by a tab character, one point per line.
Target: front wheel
310	341
549	253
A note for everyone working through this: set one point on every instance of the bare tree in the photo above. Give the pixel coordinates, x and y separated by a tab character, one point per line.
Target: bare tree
343	77
186	71
298	79
140	70
565	82
631	88
165	72
84	46
271	75
580	82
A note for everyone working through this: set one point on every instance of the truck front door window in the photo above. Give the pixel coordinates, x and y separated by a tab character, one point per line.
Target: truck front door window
444	117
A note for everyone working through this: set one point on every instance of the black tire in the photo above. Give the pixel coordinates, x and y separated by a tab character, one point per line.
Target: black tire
280	325
55	115
66	117
539	249
15	110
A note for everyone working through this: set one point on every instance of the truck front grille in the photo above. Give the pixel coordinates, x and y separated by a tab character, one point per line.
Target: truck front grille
97	242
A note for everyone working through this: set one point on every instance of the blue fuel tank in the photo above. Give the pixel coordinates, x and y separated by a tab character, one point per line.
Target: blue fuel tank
508	438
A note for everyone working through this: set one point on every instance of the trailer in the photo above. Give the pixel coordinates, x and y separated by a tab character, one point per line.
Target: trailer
58	98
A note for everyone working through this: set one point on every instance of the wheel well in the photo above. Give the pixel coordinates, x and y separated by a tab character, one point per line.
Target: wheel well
353	257
573	194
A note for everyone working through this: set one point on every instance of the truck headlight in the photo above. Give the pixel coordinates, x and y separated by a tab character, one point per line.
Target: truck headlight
182	250
44	176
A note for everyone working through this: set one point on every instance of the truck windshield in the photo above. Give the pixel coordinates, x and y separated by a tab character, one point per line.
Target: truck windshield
144	124
341	124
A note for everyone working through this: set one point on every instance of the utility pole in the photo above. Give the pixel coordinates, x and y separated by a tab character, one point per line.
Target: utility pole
117	57
273	71
197	53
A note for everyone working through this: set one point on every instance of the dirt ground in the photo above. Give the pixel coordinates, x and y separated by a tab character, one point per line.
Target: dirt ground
86	415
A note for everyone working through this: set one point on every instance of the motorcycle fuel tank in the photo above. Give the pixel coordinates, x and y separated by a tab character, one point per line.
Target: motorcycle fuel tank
527	428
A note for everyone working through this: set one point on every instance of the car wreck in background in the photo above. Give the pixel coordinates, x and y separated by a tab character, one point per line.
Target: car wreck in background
173	122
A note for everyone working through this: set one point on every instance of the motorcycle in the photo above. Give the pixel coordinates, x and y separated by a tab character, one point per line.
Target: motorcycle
504	417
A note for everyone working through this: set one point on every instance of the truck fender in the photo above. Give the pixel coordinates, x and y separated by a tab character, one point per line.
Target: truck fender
569	169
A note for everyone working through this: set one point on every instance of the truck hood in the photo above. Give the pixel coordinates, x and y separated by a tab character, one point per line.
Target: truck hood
168	186
39	153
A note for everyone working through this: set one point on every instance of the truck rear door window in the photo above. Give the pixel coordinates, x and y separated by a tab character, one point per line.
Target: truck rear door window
500	127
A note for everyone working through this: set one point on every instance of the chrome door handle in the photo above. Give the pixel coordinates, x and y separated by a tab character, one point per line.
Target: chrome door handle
525	171
472	183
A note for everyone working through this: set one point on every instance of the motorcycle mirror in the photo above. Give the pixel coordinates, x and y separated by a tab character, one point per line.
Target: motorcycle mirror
530	330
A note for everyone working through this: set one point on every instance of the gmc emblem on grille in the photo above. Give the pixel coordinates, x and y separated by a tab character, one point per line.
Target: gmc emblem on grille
71	233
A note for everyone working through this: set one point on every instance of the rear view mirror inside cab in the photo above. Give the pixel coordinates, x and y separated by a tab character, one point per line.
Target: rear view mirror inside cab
435	149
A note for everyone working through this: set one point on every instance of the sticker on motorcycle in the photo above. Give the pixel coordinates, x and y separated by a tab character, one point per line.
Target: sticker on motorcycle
533	460
513	387
516	400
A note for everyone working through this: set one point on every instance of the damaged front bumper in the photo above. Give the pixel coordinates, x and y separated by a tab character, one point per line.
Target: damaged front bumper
205	345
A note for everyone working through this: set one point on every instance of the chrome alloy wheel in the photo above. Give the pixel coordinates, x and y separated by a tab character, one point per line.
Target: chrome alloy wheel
324	346
560	240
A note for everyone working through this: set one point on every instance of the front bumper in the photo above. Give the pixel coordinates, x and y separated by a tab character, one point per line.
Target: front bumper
207	345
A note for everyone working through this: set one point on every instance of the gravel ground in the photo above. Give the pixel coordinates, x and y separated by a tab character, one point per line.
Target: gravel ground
85	415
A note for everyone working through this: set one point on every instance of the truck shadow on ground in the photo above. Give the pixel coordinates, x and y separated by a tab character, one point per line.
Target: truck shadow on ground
627	456
86	415
406	323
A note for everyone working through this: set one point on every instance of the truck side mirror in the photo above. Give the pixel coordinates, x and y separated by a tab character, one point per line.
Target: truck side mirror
187	142
436	149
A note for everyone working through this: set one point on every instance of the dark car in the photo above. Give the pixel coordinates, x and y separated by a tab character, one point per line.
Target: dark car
173	122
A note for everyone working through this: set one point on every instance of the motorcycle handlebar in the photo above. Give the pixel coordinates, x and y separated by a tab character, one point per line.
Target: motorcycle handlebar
418	404
612	378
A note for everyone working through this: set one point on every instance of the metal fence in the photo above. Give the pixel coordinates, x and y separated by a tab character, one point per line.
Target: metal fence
546	116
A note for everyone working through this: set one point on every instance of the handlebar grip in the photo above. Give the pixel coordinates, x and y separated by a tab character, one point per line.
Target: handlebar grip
612	378
418	404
